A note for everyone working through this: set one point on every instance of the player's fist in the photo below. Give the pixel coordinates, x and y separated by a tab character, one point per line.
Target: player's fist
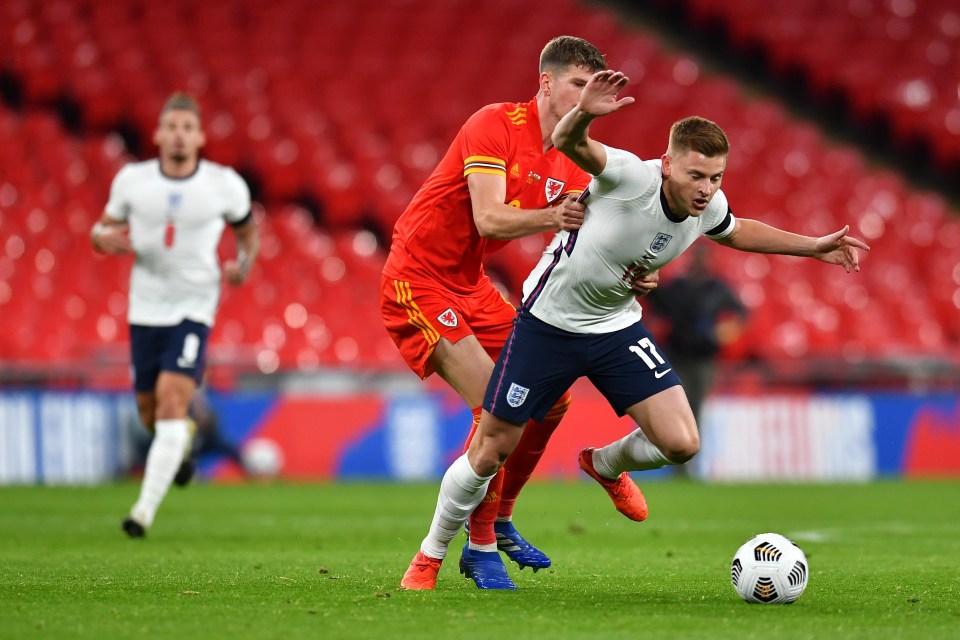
236	271
570	214
643	285
112	239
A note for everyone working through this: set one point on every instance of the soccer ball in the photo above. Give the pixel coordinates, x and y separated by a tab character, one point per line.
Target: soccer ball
262	457
769	569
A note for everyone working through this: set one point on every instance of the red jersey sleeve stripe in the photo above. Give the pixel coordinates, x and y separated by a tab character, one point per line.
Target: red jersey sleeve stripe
497	171
486	159
484	164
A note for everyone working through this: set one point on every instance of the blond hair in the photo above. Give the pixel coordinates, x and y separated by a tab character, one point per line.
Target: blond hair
700	135
181	101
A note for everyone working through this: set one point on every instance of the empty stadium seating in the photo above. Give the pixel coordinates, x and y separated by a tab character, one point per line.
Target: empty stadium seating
346	107
899	61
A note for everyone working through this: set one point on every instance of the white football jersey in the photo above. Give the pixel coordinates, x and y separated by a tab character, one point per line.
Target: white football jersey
175	228
582	282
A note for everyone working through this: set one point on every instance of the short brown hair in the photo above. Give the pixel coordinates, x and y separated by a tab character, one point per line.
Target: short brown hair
181	101
564	51
700	135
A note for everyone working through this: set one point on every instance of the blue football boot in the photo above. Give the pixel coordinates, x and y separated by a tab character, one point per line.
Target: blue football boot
485	568
517	549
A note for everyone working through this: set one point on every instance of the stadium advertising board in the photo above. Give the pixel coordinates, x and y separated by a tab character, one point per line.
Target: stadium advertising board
85	438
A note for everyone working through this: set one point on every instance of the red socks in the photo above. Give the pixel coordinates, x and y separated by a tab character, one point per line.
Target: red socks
510	480
524	459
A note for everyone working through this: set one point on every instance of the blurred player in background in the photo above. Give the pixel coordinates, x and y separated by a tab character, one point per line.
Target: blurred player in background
500	179
580	315
170	213
704	315
209	441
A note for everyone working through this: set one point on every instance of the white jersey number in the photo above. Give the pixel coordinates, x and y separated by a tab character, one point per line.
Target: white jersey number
191	349
647	346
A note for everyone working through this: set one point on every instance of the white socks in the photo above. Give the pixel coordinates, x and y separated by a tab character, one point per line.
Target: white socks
631	453
460	492
163	460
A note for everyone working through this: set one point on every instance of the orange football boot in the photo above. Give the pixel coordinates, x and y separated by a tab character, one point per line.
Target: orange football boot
626	495
422	573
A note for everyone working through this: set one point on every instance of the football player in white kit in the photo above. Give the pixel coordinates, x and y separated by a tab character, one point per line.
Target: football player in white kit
580	317
170	212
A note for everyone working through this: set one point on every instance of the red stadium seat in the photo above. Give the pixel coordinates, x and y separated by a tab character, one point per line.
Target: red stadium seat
356	120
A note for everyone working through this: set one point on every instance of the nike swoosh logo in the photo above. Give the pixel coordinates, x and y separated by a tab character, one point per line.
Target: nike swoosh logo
660	374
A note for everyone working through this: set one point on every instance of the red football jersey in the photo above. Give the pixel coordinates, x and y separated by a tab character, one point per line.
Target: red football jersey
435	238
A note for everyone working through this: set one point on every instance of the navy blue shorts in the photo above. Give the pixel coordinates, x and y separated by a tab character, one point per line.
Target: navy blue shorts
181	348
540	362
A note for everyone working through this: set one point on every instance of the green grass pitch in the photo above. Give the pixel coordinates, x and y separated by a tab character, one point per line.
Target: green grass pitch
324	561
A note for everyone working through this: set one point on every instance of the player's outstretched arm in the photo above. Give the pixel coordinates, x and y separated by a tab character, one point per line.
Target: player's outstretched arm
599	98
109	236
757	237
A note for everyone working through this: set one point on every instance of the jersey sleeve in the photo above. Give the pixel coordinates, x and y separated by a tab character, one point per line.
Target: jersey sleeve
718	219
118	206
576	178
625	176
237	195
485	143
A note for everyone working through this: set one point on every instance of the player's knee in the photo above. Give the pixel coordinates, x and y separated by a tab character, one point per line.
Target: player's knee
172	404
487	454
684	454
171	411
485	461
682	447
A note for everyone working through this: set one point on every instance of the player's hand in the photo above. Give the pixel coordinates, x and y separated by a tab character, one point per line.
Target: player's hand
839	248
112	239
569	214
236	271
643	285
599	96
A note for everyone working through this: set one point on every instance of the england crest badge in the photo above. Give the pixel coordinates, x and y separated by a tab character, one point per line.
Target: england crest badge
516	395
660	242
